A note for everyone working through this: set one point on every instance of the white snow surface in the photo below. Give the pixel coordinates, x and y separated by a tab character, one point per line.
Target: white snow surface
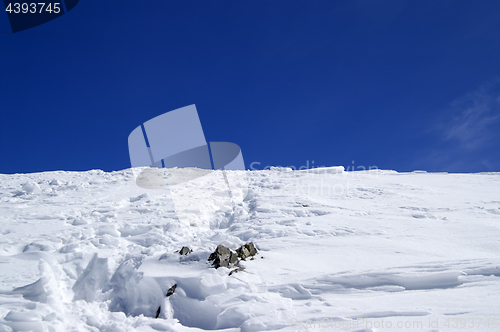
346	251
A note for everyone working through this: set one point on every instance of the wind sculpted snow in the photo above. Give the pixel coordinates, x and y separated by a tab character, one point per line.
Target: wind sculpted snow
92	251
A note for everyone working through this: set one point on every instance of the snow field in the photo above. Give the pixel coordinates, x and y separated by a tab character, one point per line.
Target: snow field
92	251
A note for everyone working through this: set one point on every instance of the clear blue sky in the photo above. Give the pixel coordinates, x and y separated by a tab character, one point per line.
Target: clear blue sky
399	85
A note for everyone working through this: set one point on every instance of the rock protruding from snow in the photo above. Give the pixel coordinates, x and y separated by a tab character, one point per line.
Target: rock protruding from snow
246	250
223	256
185	251
238	269
171	290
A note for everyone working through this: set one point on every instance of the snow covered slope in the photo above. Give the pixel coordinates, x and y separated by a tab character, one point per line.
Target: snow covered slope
353	251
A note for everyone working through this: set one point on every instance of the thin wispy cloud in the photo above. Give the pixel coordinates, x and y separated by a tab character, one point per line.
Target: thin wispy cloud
466	135
472	118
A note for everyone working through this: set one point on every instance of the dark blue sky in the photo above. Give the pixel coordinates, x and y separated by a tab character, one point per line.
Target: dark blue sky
399	85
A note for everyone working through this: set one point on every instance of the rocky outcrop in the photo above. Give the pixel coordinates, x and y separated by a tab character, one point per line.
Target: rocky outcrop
236	270
185	251
247	250
171	290
223	257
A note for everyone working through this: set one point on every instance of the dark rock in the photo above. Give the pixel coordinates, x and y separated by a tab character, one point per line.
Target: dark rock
158	312
247	250
171	290
185	251
223	256
243	252
236	270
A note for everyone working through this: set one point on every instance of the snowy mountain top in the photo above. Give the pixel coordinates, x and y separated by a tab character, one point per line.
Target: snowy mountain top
93	251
